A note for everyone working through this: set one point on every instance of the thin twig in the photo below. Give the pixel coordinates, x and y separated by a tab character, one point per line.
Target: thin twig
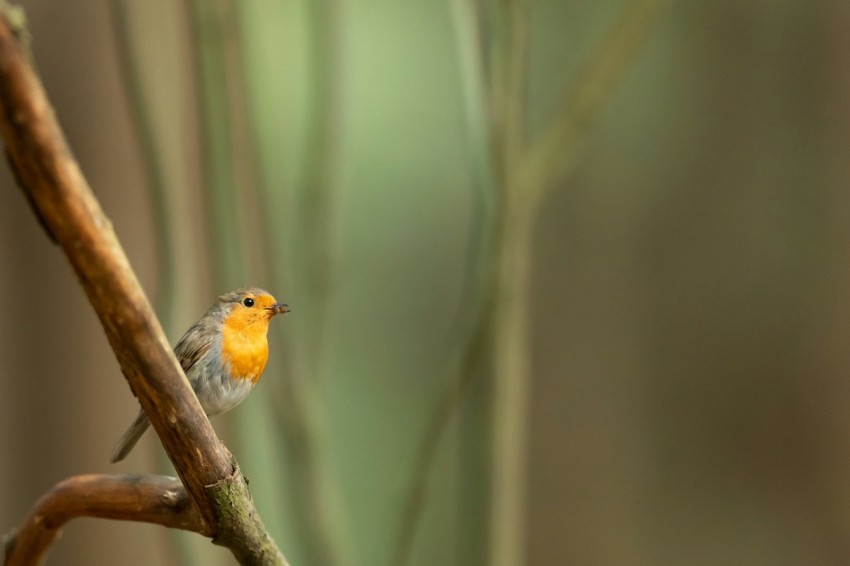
581	106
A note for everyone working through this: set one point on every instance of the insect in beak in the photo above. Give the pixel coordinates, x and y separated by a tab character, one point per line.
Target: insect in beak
279	308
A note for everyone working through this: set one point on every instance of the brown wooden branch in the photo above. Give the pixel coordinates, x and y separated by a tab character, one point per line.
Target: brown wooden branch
160	500
62	200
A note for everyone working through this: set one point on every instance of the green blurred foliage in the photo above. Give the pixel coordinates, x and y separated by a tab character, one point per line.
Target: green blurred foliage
687	293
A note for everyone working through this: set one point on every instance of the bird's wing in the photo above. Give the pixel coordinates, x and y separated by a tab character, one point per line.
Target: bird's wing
193	346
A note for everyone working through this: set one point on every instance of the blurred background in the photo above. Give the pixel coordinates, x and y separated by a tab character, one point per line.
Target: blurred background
570	280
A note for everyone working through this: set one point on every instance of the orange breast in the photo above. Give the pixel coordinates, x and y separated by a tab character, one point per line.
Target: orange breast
245	348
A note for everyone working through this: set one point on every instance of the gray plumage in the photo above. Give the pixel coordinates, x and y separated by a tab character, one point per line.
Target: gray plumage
199	354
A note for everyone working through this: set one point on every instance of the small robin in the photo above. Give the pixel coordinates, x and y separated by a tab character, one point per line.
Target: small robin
223	355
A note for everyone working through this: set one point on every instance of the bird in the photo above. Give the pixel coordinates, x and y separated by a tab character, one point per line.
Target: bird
223	355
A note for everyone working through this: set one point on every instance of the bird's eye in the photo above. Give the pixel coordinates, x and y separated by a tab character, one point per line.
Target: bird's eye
248	302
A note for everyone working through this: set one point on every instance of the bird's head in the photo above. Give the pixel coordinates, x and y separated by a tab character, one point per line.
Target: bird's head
250	308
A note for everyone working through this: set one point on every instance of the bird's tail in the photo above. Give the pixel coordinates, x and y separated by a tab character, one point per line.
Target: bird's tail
131	437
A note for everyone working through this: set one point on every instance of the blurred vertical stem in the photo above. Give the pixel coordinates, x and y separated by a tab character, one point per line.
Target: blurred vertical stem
316	196
511	384
316	199
510	349
141	114
306	237
226	235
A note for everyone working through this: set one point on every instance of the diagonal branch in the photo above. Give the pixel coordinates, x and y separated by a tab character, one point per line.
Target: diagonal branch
56	189
160	500
49	175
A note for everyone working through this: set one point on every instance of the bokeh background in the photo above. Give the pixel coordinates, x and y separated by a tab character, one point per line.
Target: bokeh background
684	397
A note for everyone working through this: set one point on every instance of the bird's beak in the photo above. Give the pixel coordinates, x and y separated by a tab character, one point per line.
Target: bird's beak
279	308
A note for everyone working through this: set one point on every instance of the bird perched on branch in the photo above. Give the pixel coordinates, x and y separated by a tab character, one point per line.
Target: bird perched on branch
223	355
